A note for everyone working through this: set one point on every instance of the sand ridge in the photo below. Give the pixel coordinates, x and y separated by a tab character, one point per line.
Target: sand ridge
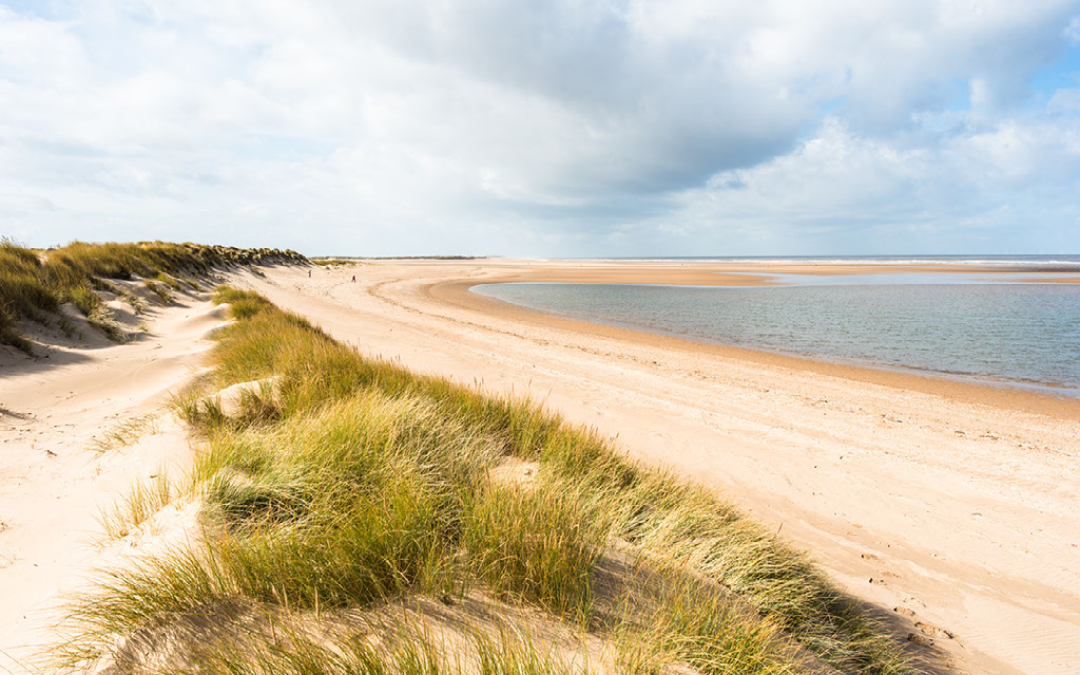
956	512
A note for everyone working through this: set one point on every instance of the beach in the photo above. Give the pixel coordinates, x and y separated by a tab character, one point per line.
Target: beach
951	507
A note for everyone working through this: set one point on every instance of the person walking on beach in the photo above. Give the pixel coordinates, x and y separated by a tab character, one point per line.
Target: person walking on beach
354	278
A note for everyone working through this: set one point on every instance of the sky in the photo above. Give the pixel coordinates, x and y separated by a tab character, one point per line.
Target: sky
545	129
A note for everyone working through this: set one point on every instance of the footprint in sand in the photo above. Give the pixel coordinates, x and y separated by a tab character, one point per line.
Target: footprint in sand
926	631
920	640
932	630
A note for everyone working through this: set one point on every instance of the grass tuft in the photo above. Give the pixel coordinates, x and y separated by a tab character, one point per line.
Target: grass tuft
160	291
169	281
141	503
125	433
534	544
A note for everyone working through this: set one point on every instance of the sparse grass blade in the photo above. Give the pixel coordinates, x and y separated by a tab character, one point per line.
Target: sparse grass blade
142	502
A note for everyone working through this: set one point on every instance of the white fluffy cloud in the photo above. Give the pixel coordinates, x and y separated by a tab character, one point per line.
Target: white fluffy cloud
561	128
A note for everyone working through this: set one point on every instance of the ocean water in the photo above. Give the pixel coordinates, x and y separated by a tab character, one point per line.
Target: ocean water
967	327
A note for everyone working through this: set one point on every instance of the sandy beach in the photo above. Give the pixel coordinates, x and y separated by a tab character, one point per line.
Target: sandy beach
951	504
953	507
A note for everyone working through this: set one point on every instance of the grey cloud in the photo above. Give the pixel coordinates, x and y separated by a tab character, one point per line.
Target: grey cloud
663	108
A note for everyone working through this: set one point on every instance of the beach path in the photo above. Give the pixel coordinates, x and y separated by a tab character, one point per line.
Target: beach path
56	476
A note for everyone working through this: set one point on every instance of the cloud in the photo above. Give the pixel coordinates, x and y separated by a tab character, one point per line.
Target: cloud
1072	31
555	128
1010	187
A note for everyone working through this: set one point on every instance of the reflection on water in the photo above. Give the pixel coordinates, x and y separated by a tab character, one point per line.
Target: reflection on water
1020	333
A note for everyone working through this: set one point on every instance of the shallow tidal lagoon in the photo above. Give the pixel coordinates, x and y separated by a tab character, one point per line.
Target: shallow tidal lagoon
957	325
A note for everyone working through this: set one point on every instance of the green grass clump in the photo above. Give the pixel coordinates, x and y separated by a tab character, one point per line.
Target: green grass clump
137	304
169	281
138	506
24	292
243	304
8	334
536	544
84	299
351	483
195	285
160	291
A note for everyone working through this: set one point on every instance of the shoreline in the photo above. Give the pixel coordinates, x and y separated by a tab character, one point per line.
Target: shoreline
668	272
1033	387
458	293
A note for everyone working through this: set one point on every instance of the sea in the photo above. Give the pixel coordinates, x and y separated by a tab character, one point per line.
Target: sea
972	327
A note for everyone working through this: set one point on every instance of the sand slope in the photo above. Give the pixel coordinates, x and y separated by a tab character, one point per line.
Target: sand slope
958	512
53	479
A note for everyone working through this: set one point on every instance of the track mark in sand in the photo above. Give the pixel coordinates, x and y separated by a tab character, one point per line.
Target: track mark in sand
919	639
924	633
927	633
933	631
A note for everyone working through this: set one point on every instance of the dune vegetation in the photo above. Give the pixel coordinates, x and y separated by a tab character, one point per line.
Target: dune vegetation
358	518
35	283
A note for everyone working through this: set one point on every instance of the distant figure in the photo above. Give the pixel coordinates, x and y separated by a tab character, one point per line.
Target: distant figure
354	278
309	274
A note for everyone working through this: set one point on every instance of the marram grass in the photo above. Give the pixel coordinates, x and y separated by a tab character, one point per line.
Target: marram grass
35	283
352	483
